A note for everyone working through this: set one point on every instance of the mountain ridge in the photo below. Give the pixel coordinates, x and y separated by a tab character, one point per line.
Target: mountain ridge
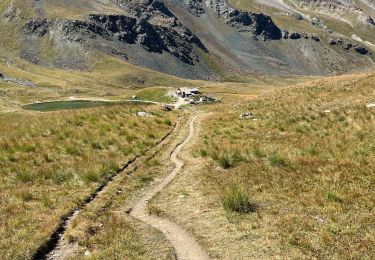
185	38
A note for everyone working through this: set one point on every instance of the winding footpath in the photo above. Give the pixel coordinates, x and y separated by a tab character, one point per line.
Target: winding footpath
184	244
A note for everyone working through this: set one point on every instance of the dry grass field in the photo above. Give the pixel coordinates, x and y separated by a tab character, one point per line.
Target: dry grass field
293	181
106	231
51	161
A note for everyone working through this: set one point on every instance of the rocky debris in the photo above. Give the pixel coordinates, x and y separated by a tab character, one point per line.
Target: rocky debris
257	24
285	34
17	81
208	99
332	42
167	108
293	14
154	38
153	11
319	24
296	35
348	45
371	105
194	7
315	38
143	114
339	7
246	116
11	13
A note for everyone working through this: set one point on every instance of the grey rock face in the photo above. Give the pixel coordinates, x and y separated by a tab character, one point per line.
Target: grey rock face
125	29
256	24
17	81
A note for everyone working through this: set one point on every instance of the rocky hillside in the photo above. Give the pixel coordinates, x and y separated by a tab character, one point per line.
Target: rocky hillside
203	39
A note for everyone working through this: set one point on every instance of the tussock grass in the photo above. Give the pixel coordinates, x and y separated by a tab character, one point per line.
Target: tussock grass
237	200
52	161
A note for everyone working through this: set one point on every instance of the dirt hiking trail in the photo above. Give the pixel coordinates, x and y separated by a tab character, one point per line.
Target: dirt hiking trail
184	244
58	247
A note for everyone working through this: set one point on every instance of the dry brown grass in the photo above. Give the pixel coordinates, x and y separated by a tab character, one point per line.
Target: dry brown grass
52	161
310	172
105	230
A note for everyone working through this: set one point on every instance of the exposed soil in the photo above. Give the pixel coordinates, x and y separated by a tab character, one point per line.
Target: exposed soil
185	245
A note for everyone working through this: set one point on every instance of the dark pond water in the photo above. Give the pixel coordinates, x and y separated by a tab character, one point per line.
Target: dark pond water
67	105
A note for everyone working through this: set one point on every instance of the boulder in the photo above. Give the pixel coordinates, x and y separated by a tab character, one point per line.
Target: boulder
246	115
285	34
143	114
295	36
315	38
361	50
348	46
167	108
332	42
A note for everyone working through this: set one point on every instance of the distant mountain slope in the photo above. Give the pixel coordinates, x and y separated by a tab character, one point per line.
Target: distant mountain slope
187	38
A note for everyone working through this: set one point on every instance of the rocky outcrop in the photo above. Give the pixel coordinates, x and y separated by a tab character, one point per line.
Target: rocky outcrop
153	11
129	30
348	46
361	50
337	8
296	35
21	82
256	24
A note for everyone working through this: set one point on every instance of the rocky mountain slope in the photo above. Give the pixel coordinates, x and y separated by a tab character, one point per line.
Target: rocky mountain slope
203	39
